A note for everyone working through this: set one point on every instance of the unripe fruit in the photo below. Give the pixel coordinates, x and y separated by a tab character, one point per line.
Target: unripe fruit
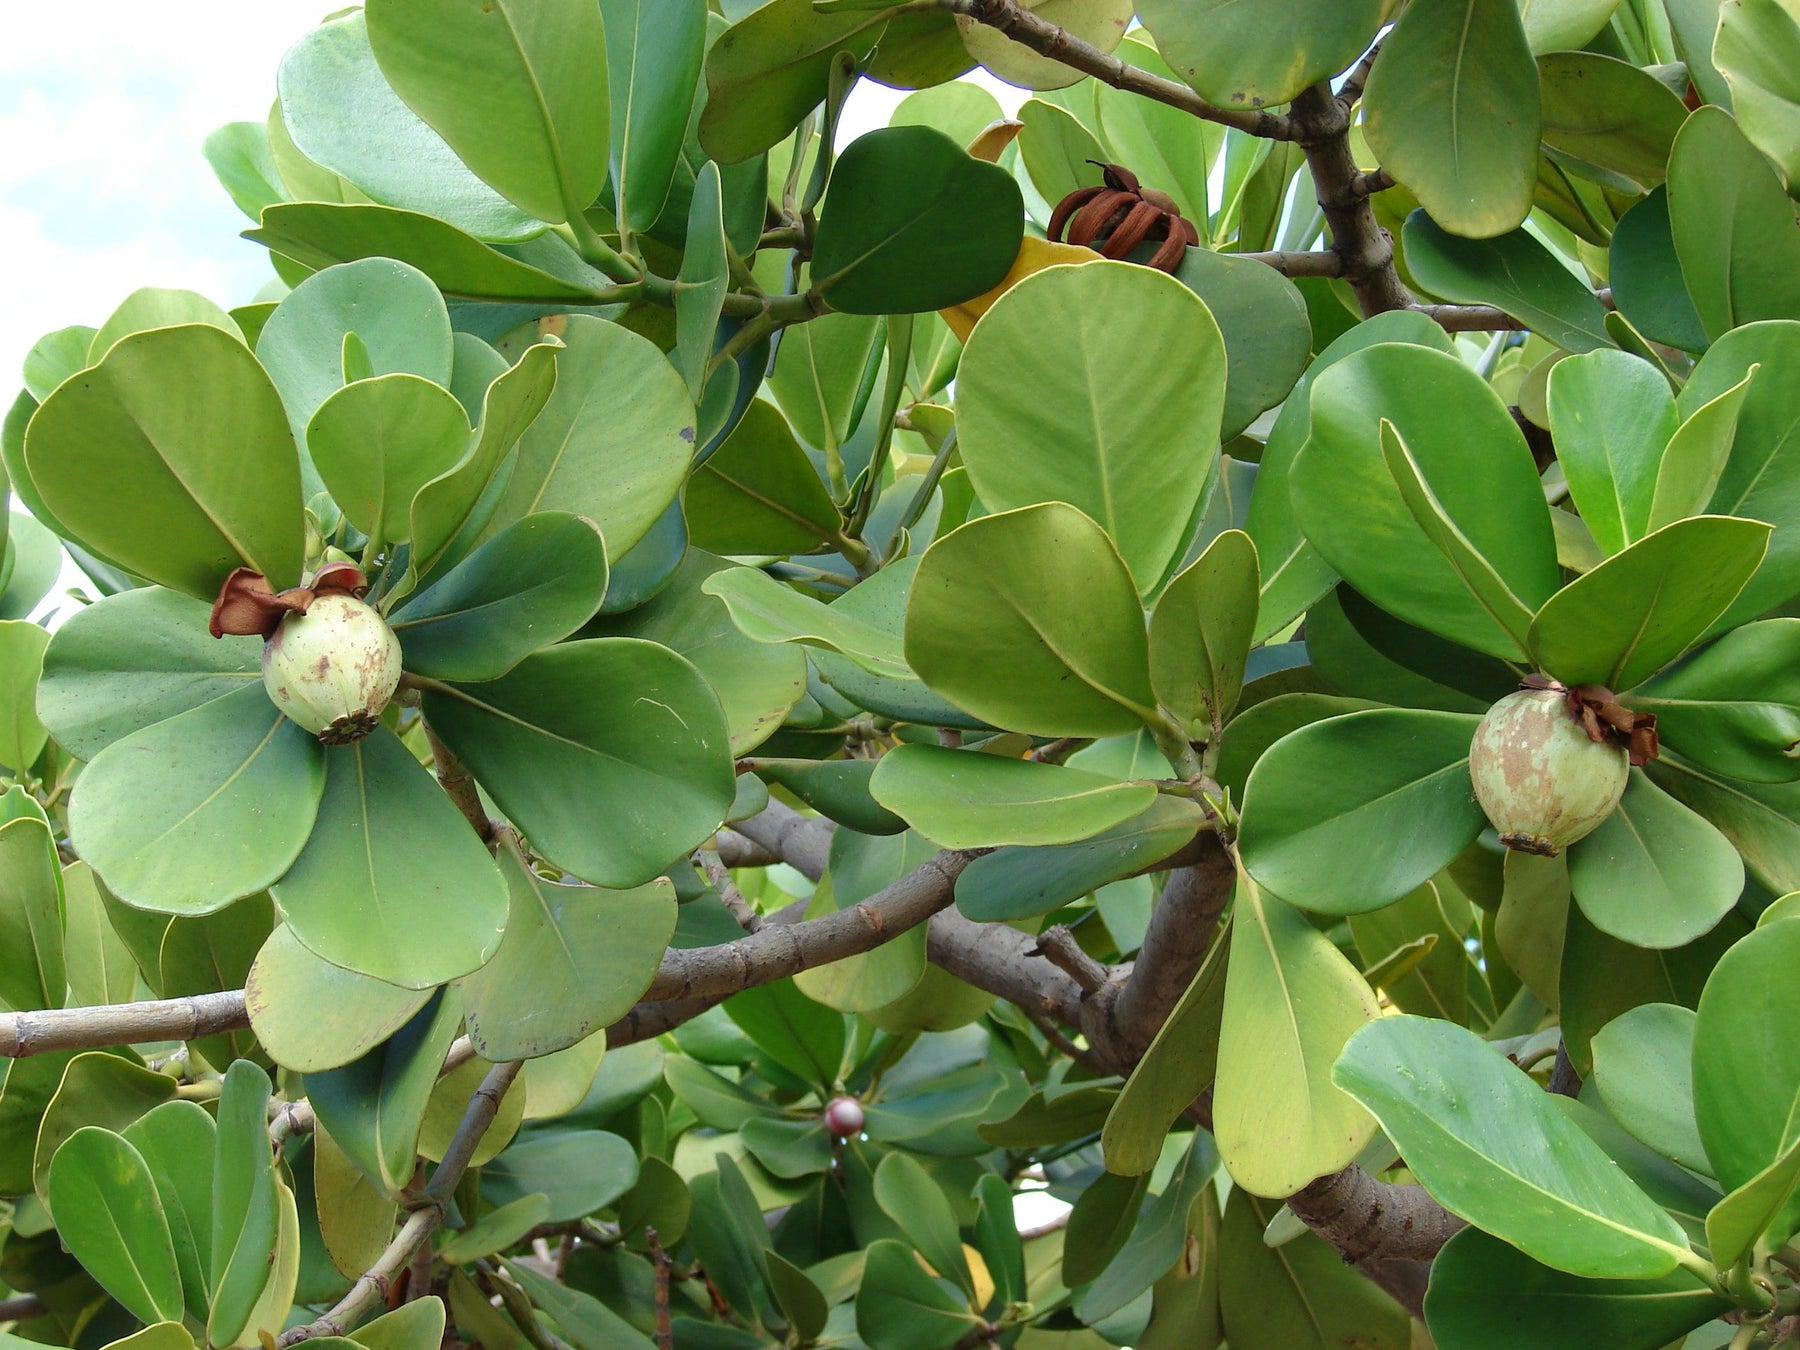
844	1117
1542	781
334	668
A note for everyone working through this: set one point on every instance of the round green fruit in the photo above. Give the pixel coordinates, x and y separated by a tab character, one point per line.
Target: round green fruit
334	668
1543	783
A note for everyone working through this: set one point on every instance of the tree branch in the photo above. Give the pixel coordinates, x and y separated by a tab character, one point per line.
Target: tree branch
1471	318
1182	927
22	1308
1364	249
166	1019
457	782
1300	263
802	842
1366	1219
1003	961
1030	30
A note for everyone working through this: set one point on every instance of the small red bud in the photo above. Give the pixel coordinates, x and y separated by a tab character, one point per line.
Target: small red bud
844	1117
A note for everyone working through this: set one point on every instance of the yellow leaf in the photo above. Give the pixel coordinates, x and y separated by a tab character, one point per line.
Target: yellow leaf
1034	256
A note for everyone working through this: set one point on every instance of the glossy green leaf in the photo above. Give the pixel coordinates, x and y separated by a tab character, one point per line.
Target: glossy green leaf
390	849
861	865
1756	50
377	441
98	964
1491	1146
105	1089
531	585
1654	874
311	1015
1609	113
758	493
176	1141
1646	276
613	443
187	815
108	1213
172	457
1452	112
1200	635
894	194
55	357
1762	1208
580	1170
767	611
1177	1068
573	961
1262	317
1238	59
375	1105
1055	404
246	1207
964	800
1471	456
133	660
519	91
653	55
1022	883
837	789
1612	416
344	116
1059	152
704	278
913	1200
823	377
614	728
1042	594
1415	953
1643	1070
1168	149
1486	1295
1512	272
36	568
1291	1002
1733	226
33	973
1732	707
1696	456
320	234
1157	1241
588	1323
900	1307
1293	573
1397	776
155	307
212	954
1640	609
1747	1076
1099	23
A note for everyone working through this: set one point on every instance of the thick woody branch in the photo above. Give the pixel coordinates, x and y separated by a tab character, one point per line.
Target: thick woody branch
1047	39
802	842
1006	962
1182	928
167	1019
1362	246
1367	1219
737	851
1300	263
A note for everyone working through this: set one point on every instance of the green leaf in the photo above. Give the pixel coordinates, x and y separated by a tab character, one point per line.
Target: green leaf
574	960
758	493
344	116
962	799
1200	635
1472	457
212	954
1156	1241
98	964
1612	416
246	1209
496	1230
391	851
531	585
1646	276
1262	317
374	1106
1486	1295
1179	1066
1696	456
108	1090
823	377
1099	23
836	788
36	567
176	1141
1291	1002
1640	609
654	49
519	91
1512	272
895	193
588	1323
1415	953
109	1215
1055	404
1317	797
1654	874
802	1302
914	1201
417	1325
1166	147
767	611
173	458
155	307
860	866
1491	1146
133	660
376	442
1452	112
1242	59
1643	1070
1293	573
55	357
757	682
1734	706
311	1015
32	970
769	70
580	1170
705	274
613	443
1733	226
1764	1205
1756	50
450	1103
1609	114
1041	595
900	1307
1747	1078
1022	883
319	234
614	728
1059	153
187	815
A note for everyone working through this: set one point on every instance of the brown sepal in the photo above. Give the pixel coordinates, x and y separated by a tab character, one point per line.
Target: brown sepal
248	606
1126	213
1604	718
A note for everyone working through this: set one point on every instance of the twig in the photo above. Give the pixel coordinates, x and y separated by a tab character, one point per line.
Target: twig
1030	30
720	877
802	842
22	1308
1354	84
1368	184
1471	318
735	850
665	1333
1058	946
1299	263
166	1019
456	781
